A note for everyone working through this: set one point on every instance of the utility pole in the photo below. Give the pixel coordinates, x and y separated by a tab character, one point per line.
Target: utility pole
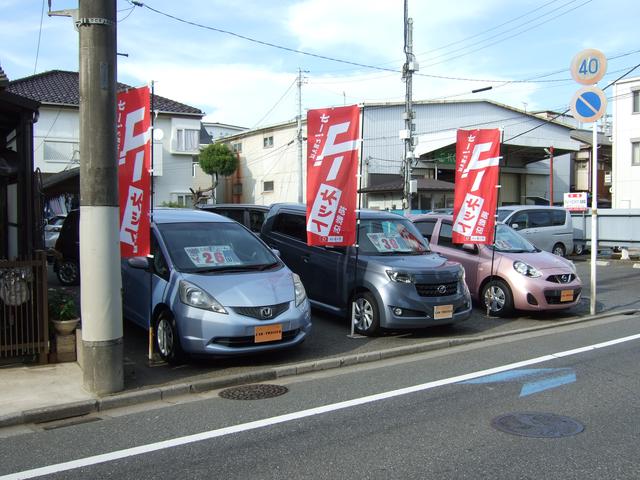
101	299
299	138
408	69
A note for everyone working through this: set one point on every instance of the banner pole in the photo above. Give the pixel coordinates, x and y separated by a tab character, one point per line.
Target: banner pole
495	223
150	256
355	275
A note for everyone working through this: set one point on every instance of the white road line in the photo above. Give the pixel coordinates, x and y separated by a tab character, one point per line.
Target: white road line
152	447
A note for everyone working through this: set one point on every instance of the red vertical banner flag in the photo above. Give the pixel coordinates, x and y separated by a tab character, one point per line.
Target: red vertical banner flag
134	165
332	167
476	191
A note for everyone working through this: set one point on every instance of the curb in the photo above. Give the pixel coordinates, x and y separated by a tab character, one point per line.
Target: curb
164	392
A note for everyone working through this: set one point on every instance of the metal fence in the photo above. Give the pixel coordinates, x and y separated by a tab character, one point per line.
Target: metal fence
24	332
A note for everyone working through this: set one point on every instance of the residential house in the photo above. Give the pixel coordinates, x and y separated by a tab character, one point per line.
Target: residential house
626	144
270	166
213	132
57	134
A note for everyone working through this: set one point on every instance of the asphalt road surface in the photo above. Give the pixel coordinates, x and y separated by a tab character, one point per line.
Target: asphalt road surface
560	403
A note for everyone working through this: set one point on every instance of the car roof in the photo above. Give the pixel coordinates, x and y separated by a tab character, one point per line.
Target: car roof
529	207
233	205
365	213
186	215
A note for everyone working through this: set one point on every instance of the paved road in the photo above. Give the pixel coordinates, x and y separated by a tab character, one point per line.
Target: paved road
426	416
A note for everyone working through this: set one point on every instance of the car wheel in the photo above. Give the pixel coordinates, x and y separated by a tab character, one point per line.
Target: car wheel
578	248
367	319
68	272
497	298
558	249
167	339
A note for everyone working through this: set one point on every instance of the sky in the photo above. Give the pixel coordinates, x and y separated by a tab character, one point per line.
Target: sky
238	61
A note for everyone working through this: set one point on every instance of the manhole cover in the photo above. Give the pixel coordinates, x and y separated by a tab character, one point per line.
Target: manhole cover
539	425
253	392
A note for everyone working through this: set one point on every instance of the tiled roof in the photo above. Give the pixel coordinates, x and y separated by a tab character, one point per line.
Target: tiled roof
4	80
62	87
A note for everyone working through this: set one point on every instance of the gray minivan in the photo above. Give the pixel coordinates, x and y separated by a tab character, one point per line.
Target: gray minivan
548	228
399	283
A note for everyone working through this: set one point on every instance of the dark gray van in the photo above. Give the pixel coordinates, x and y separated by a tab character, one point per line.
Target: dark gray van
248	214
399	283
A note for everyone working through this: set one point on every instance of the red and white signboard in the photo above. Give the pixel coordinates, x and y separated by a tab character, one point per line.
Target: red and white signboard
332	166
134	164
476	193
575	201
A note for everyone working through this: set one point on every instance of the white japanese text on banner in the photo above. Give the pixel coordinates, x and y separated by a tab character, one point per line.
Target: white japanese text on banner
134	163
332	165
476	193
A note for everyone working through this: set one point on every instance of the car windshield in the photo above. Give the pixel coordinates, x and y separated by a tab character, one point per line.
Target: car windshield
215	247
501	214
508	240
390	236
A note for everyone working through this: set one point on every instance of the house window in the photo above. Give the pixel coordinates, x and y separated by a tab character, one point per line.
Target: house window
187	140
236	147
267	186
635	154
62	152
184	199
636	101
194	167
267	142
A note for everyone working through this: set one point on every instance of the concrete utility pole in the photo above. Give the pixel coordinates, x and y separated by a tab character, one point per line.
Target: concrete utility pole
408	68
99	215
299	139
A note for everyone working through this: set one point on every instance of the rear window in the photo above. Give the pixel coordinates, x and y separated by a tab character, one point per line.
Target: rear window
558	217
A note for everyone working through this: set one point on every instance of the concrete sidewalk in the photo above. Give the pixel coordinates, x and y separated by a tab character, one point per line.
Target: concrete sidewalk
36	394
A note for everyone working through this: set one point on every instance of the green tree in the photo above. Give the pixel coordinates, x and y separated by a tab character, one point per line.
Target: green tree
217	159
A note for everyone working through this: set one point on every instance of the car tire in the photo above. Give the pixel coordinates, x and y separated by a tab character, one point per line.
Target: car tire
167	340
497	297
558	249
578	249
367	317
68	272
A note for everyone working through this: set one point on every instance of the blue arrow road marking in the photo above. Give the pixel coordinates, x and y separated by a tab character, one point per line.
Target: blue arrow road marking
537	379
588	104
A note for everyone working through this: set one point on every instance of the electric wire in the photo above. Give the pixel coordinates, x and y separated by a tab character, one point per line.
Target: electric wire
35	66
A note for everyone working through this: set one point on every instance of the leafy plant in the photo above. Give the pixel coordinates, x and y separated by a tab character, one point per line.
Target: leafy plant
62	306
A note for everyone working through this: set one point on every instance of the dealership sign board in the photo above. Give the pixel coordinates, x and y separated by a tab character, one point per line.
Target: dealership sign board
575	201
476	192
134	163
332	167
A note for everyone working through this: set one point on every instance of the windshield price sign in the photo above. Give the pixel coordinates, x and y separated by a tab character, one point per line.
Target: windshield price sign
589	66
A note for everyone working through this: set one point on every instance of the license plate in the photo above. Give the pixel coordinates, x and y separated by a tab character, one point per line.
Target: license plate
566	295
442	311
268	333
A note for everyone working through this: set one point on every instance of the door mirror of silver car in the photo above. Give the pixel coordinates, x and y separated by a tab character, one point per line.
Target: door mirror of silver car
138	262
276	251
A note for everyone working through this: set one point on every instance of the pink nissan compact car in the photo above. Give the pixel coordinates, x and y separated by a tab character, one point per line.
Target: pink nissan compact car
524	277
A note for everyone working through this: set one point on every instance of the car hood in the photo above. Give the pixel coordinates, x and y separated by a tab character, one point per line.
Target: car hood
413	263
246	289
540	260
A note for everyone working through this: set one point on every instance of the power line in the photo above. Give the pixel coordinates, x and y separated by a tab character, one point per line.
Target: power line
35	66
276	104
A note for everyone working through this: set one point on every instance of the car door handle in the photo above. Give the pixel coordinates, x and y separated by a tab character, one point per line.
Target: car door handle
305	258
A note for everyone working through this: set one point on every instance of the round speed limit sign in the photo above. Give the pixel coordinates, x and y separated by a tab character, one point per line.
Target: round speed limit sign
589	66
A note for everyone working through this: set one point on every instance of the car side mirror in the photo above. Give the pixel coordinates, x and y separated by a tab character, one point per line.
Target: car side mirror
515	226
276	251
138	262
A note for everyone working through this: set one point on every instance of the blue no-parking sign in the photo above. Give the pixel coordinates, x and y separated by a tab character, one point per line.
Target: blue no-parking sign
588	104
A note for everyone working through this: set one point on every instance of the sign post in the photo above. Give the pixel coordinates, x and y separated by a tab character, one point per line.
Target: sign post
588	105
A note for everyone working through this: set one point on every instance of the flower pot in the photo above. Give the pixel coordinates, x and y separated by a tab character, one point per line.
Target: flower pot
65	327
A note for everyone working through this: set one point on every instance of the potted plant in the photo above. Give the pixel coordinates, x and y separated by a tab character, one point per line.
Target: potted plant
63	312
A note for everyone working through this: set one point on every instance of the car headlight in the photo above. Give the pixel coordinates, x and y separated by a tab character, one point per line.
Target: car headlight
198	298
573	267
298	288
526	269
401	277
461	274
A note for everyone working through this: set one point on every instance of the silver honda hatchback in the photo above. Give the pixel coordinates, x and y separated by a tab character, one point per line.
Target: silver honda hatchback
217	289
